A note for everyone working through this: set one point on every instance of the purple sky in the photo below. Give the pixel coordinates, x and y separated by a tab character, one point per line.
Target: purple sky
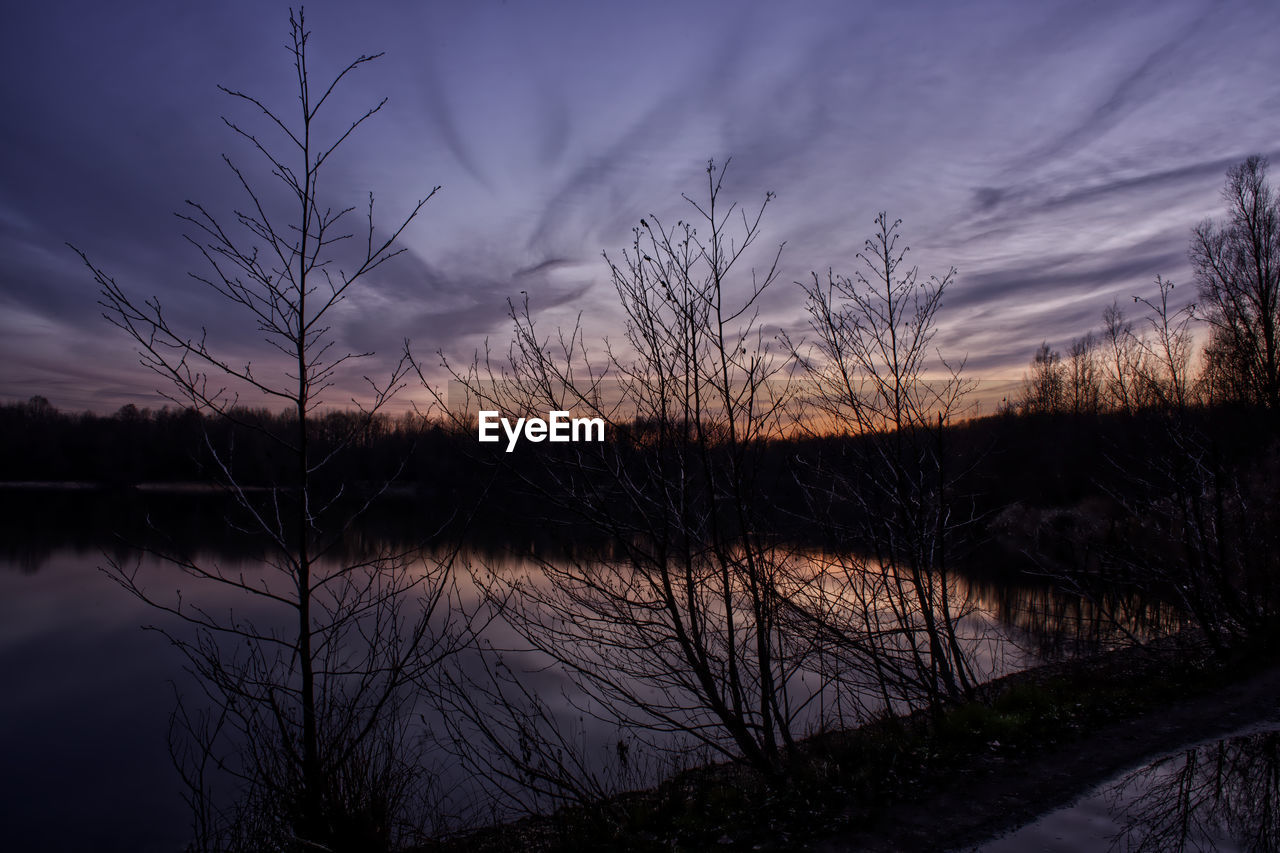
1057	153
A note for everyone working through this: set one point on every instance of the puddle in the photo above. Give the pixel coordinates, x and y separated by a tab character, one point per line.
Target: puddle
1221	795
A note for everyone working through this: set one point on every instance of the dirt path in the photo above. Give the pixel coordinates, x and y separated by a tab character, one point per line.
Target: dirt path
998	795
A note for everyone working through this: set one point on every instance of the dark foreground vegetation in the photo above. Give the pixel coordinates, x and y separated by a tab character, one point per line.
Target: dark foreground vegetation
768	566
918	782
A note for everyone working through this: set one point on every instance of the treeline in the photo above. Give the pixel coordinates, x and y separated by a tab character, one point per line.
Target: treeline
1057	456
1152	363
174	445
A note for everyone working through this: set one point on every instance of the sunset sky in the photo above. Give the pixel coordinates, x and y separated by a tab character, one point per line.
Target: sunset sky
1056	153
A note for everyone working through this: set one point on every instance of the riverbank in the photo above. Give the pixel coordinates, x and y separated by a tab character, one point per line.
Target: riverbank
1030	742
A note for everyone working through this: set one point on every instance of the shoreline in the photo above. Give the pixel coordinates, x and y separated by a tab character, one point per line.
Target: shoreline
1030	742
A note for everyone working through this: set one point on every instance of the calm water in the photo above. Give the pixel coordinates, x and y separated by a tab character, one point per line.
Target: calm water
83	714
87	692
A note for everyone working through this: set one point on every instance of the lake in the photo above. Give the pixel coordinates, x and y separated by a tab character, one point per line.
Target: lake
85	710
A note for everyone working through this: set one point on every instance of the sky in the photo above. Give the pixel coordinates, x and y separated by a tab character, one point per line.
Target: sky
1057	154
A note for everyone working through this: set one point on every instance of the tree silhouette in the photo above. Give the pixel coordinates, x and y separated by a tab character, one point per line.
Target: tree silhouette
674	628
888	601
1045	390
1237	266
309	711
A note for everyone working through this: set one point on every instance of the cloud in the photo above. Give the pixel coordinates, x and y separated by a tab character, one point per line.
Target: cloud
1048	279
442	115
1057	154
440	305
1153	71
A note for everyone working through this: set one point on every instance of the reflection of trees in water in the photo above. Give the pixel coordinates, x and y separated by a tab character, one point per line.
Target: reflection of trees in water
42	523
1057	624
1060	624
1200	798
873	647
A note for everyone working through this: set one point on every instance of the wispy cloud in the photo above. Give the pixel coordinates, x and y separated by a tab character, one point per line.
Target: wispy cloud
1056	153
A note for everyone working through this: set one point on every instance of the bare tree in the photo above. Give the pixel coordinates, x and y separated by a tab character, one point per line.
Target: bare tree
310	706
1237	267
1164	370
1198	522
889	601
1121	359
1084	387
673	630
1045	390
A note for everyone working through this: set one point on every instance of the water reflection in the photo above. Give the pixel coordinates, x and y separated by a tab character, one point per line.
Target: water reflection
1221	795
1208	797
84	709
1054	625
43	523
83	713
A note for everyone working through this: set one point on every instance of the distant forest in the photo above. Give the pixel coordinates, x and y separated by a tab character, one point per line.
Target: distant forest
1041	452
